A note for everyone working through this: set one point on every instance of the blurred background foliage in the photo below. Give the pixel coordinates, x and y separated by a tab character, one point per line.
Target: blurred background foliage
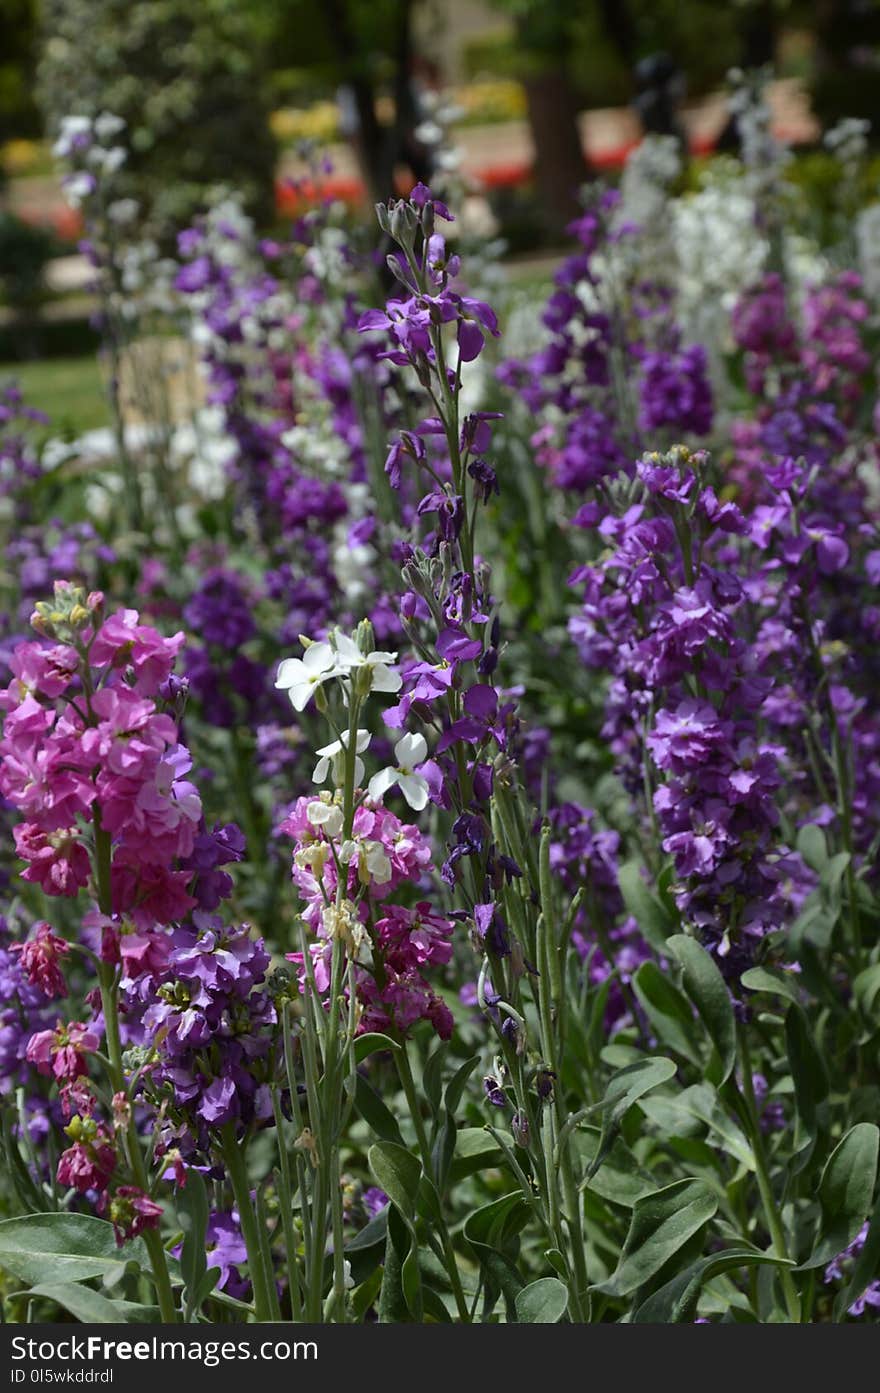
226	91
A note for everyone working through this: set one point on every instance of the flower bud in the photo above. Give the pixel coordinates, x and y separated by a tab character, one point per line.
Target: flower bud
402	224
519	1126
399	271
121	1112
362	681
365	637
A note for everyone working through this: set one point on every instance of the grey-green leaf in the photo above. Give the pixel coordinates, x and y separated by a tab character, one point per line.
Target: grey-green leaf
661	1224
625	1088
397	1172
676	1301
543	1302
648	911
771	980
846	1192
810	1078
706	988
668	1010
61	1248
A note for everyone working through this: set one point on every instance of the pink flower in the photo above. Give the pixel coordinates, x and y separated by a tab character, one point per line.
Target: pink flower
77	1097
122	641
88	1165
145	952
62	1051
149	894
131	1211
39	670
157	816
58	860
39	960
42	769
130	735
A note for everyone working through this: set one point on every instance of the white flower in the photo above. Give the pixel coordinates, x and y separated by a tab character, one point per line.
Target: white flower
371	858
107	125
383	678
325	815
300	676
329	752
347	1279
409	751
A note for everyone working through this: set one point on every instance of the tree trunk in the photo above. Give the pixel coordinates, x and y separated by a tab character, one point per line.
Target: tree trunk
560	167
377	146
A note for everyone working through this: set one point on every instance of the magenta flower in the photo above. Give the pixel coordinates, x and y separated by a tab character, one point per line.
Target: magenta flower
40	960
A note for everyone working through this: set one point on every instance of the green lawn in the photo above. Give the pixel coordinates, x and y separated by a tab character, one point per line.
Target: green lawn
69	390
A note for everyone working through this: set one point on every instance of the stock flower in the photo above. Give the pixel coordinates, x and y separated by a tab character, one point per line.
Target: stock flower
330	755
131	1212
409	751
40	960
300	677
90	1162
62	1051
381	676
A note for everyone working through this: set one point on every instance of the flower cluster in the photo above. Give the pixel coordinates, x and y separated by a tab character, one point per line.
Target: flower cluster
346	870
204	1020
614	375
85	744
665	615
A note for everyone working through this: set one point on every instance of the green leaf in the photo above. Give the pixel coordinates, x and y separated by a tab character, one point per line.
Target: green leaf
707	990
33	1199
411	1281
475	1150
393	1308
364	1252
812	846
432	1078
62	1248
865	1268
192	1213
810	1078
206	1286
831	877
488	1230
620	1179
374	1112
866	988
625	1088
662	1223
700	1103
676	1301
543	1302
434	1308
365	1294
846	1192
372	1043
397	1172
650	913
81	1301
771	980
668	1010
456	1085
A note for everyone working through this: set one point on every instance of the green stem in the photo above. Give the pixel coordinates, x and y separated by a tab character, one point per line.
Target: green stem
234	1153
109	1008
749	1113
552	1008
408	1083
285	1193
